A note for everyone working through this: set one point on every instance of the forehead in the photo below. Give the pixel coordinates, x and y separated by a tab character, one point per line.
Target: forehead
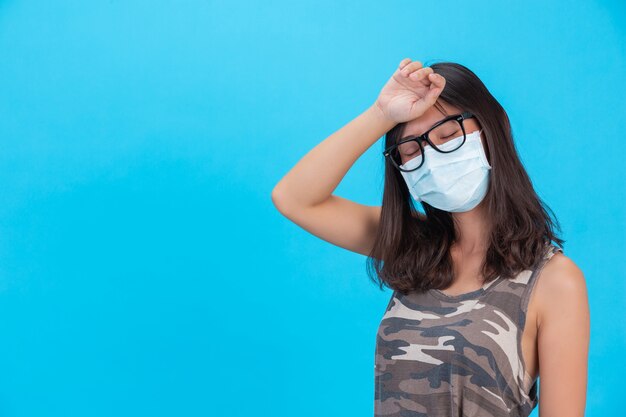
434	113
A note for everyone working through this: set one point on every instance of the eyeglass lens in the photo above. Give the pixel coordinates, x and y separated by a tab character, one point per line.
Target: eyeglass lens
439	136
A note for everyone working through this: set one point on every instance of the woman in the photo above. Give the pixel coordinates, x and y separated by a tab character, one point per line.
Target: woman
461	335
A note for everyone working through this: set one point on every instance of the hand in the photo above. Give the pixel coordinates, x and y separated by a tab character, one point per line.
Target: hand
410	91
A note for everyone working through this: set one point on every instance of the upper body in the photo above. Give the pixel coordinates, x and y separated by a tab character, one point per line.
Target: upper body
464	353
481	214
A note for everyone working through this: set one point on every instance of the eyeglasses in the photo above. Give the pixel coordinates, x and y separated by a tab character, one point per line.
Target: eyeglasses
443	137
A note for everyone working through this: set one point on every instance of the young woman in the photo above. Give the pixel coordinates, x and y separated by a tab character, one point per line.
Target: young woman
483	302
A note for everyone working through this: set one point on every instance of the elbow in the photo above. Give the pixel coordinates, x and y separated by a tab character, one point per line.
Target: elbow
288	203
278	199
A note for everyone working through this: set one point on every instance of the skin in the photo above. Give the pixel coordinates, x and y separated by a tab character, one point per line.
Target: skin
555	341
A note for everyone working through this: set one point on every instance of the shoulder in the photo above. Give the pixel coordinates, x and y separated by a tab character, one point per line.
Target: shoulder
563	337
561	288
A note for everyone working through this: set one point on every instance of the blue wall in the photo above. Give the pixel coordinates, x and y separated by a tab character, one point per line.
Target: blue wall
143	268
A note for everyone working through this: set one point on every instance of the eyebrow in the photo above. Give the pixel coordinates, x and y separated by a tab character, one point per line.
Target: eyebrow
414	135
446	115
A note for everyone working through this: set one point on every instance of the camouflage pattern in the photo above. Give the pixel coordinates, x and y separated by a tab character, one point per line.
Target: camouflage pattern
457	355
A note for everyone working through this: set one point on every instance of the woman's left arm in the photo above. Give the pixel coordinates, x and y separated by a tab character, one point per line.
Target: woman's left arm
563	339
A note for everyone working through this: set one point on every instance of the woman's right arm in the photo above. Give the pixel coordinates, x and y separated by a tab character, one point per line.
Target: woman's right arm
304	194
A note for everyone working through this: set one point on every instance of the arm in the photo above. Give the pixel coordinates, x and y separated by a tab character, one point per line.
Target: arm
304	194
563	339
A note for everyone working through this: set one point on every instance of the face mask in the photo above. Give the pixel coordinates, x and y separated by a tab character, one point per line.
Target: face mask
453	182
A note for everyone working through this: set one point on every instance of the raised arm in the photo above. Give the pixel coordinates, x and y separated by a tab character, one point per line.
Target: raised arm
304	194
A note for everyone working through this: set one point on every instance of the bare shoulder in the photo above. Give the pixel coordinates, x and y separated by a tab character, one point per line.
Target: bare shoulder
561	288
563	337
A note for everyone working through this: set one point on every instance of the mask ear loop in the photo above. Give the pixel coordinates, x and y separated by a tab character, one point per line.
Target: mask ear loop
483	152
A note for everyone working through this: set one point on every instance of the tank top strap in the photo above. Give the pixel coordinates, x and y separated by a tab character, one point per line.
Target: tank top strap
550	251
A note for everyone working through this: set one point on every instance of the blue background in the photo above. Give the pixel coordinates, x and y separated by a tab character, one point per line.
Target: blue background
143	268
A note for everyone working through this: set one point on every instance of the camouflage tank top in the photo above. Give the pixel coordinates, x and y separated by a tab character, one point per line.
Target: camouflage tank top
457	355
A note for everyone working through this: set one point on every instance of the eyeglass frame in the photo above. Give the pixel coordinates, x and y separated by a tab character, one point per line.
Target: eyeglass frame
424	137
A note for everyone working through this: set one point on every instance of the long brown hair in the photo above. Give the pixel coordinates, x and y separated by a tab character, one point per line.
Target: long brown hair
412	251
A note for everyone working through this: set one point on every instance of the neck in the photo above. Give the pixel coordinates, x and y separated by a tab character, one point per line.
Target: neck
472	230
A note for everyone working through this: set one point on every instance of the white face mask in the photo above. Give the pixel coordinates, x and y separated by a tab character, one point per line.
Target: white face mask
453	182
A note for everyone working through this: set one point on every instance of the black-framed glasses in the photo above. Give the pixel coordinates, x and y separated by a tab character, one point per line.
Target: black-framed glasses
445	136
